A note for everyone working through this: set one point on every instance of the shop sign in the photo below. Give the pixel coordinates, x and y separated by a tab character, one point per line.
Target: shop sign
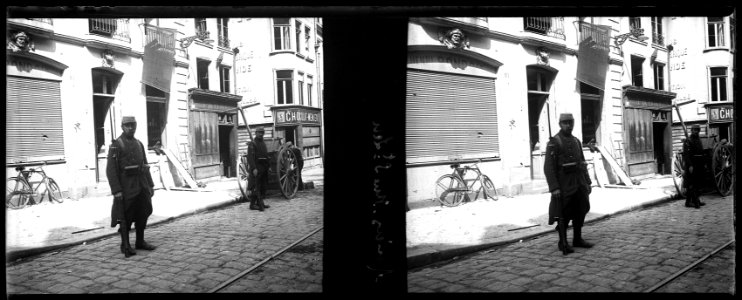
296	116
721	113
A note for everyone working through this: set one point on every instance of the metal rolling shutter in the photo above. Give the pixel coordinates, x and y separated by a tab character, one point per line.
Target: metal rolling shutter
450	116
33	109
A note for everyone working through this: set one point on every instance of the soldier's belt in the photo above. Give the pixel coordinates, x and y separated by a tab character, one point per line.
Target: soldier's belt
132	170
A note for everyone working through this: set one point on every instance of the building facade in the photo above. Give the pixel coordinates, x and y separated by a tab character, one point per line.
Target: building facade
492	89
279	75
149	68
702	74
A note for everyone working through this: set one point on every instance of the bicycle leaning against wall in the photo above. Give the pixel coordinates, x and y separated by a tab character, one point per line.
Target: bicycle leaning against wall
459	187
24	188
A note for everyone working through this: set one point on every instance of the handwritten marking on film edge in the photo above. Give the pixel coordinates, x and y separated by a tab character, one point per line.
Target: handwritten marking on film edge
382	160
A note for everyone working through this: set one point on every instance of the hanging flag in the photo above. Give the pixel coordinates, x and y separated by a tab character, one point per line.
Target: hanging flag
592	55
159	52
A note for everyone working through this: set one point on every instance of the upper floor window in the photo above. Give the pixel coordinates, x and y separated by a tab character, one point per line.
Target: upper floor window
657	37
224	81
635	22
202	73
298	37
659	76
281	34
718	77
310	84
200	25
549	26
307	38
223	31
114	28
284	82
637	77
715	31
300	88
732	32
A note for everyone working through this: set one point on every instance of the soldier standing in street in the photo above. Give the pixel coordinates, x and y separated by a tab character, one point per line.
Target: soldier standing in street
694	167
131	185
569	183
257	168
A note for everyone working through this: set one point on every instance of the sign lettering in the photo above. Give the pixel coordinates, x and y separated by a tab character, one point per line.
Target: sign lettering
721	114
296	116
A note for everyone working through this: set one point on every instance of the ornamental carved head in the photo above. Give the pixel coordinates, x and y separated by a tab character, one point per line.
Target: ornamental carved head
20	41
454	38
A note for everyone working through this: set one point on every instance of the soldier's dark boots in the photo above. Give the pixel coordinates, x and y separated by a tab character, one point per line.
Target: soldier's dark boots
125	246
563	244
140	243
577	241
254	203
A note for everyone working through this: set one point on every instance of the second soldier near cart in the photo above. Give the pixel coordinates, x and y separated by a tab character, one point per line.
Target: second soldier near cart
257	168
694	167
131	185
569	183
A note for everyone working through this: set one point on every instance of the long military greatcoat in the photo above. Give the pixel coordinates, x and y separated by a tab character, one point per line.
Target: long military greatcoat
693	156
119	158
257	158
565	169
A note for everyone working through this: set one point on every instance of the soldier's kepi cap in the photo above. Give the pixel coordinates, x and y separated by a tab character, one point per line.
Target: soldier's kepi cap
128	119
696	126
260	129
566	117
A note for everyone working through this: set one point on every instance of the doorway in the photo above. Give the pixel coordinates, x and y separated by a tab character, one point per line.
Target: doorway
226	150
101	112
658	138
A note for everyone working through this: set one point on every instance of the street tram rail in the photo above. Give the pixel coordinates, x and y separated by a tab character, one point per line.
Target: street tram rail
688	268
264	261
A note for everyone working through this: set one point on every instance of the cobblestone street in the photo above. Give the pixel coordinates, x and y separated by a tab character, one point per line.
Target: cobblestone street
633	252
194	255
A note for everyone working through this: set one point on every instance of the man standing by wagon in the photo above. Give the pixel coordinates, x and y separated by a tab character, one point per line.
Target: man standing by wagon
694	167
131	185
257	168
569	183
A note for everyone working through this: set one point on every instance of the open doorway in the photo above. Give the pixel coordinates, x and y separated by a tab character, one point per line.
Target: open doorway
226	150
658	132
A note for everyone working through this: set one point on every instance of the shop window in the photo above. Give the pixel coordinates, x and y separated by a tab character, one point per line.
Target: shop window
311	152
538	82
637	78
657	37
224	78
715	31
659	76
281	34
202	72
284	82
223	31
718	78
300	88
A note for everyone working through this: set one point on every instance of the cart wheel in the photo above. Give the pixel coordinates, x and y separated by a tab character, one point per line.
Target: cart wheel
677	174
242	177
722	165
450	190
287	170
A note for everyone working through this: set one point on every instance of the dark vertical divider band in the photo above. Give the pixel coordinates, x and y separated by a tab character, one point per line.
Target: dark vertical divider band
365	187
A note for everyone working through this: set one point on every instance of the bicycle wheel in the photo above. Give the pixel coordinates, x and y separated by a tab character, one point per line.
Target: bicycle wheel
450	190
15	193
489	188
54	193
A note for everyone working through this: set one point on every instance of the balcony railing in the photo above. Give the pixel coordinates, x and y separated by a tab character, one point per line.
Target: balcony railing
223	41
114	28
43	20
165	38
549	26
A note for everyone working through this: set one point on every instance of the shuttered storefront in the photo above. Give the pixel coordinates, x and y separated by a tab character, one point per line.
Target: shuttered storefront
450	116
33	121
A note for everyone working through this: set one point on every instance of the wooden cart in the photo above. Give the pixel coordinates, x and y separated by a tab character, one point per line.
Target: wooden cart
720	160
286	163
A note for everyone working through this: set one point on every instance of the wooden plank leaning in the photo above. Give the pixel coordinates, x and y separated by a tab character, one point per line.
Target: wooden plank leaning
181	170
614	165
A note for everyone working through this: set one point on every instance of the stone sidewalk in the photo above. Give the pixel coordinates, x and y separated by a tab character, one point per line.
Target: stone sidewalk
439	233
48	226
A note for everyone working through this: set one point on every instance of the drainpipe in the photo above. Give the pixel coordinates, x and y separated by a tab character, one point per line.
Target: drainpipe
319	97
236	51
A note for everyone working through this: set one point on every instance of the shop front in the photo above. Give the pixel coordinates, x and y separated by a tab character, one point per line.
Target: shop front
721	121
299	125
213	132
647	130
